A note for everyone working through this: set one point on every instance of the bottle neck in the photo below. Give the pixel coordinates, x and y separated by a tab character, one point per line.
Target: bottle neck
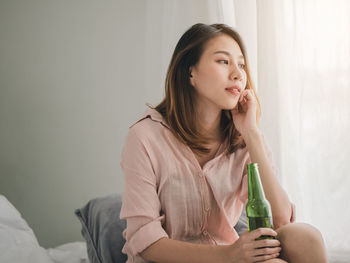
255	189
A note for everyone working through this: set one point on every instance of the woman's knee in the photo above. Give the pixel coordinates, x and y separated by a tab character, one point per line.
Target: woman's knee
299	241
299	233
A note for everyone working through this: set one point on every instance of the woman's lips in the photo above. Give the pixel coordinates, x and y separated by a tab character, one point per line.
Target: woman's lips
234	90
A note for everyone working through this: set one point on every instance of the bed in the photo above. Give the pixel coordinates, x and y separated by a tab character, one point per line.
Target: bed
18	242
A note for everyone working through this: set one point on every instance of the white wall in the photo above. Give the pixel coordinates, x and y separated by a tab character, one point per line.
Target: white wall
70	84
73	77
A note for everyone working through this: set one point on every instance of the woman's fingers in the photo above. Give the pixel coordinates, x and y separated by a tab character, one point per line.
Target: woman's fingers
262	232
265	257
267	251
252	250
246	95
266	243
266	248
243	97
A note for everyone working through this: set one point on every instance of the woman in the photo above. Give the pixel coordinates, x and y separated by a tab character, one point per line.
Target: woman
185	165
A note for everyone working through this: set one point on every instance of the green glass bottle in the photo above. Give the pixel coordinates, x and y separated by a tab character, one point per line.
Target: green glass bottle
258	207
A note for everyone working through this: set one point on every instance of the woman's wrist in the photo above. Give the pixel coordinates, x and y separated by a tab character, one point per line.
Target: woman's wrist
251	135
222	254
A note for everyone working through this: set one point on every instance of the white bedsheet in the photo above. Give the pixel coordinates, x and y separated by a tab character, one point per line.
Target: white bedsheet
69	253
18	243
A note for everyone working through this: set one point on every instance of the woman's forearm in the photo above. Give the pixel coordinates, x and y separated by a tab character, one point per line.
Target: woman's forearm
280	204
173	251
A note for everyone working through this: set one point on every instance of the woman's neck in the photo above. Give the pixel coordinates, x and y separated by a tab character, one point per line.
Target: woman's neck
208	123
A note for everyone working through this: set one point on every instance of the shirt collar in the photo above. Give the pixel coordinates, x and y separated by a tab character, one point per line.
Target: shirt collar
154	115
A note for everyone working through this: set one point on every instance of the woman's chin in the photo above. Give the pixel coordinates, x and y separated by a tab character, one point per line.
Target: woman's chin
229	106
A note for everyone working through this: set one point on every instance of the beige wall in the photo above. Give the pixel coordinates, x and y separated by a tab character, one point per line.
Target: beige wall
70	84
73	77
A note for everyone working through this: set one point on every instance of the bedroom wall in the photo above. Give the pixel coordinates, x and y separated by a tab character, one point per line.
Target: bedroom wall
73	77
67	97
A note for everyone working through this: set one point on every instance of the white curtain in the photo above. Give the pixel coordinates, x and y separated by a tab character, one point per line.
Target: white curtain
304	85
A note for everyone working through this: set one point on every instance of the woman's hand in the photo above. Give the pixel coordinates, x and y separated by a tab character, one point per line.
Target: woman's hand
244	114
247	250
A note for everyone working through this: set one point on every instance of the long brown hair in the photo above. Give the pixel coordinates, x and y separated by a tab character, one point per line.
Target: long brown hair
177	106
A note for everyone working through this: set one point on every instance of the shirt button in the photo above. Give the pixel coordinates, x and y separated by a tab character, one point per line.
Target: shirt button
205	232
201	174
207	209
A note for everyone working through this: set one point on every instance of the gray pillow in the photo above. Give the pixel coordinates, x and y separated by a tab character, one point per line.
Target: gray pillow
102	229
242	224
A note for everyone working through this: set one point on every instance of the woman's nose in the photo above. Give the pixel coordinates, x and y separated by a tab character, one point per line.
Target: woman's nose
236	73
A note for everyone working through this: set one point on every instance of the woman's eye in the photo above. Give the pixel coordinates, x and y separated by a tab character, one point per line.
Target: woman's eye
242	66
224	61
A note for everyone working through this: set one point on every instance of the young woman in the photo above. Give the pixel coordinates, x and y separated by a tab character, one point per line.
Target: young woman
185	165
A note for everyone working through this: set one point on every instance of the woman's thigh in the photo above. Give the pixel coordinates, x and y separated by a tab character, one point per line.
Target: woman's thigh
301	242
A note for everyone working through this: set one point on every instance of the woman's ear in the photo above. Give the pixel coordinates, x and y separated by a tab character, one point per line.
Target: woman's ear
191	77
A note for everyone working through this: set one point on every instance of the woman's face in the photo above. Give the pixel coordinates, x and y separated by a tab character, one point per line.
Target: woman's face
219	76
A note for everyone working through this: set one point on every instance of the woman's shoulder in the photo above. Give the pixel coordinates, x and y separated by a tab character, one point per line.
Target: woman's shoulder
150	124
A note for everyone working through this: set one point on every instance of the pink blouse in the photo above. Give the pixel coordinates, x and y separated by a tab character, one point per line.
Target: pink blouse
168	194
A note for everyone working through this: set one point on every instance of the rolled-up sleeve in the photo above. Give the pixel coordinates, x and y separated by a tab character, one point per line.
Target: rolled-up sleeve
141	205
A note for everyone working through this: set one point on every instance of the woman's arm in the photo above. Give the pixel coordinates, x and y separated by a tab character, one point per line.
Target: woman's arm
173	251
245	122
280	204
245	249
